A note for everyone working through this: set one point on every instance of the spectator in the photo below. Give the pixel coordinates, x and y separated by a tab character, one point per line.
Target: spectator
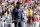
35	20
17	15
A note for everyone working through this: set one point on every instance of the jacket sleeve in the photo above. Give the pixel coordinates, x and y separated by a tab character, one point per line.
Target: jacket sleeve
21	16
13	14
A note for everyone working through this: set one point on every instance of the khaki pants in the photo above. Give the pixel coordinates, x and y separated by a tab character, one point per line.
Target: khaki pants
8	25
29	25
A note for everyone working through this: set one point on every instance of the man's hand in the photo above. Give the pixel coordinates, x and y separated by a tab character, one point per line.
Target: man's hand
13	20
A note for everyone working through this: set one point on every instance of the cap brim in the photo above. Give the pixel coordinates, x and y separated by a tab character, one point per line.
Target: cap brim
18	3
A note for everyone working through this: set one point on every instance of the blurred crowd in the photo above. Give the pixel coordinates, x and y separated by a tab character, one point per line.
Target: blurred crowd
30	13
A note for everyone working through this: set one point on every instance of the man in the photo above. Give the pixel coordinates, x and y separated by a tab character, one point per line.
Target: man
17	15
35	20
29	22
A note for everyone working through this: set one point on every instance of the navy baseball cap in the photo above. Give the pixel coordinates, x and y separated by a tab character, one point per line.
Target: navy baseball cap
18	3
